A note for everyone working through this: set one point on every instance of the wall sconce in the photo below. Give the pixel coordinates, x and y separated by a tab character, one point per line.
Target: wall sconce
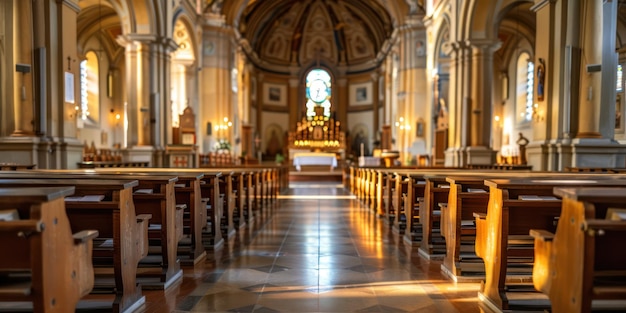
221	127
537	115
402	125
497	120
115	117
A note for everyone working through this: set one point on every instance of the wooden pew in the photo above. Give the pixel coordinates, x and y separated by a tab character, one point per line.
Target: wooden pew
40	242
502	239
16	166
243	179
210	192
611	170
115	219
387	213
435	195
187	193
468	195
227	197
153	195
413	200
583	264
214	185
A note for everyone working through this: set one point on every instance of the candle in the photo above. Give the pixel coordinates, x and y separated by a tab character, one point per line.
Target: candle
362	149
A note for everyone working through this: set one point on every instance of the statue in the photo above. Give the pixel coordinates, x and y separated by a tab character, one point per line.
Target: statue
522	142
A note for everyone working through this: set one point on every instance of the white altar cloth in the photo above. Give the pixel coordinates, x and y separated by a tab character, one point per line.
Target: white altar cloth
314	158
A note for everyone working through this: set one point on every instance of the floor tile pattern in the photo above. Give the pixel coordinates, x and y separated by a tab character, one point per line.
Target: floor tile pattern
318	249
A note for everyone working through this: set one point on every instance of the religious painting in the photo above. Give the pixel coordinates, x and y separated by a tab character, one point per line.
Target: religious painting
361	94
420	48
273	140
275	94
541	76
419	128
359	144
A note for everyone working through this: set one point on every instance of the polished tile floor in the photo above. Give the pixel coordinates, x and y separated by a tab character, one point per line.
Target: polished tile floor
317	249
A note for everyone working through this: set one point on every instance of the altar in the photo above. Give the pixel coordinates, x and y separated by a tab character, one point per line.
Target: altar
314	158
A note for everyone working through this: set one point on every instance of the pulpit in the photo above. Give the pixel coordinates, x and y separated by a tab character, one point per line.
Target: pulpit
183	151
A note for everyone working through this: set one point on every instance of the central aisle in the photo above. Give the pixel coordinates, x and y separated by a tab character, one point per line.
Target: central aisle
321	251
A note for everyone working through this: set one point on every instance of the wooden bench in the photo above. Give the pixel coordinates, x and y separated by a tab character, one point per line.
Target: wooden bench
583	264
104	164
611	170
233	198
468	195
16	166
210	192
43	262
502	235
188	196
123	235
154	195
436	191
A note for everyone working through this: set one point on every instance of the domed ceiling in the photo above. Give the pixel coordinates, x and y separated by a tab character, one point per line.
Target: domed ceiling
289	33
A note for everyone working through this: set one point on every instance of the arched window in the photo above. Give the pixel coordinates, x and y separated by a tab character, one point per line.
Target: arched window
318	92
524	88
89	111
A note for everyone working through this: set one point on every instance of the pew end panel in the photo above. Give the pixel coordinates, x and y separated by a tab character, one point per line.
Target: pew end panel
581	266
113	217
56	261
466	197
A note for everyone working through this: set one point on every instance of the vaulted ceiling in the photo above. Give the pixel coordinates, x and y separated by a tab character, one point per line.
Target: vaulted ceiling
287	33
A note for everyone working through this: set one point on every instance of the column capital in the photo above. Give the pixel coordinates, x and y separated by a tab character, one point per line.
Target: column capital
484	44
342	82
294	82
73	4
147	39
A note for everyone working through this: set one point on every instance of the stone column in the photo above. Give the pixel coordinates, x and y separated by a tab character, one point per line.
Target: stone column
341	103
457	102
481	92
591	66
138	92
293	103
22	73
375	104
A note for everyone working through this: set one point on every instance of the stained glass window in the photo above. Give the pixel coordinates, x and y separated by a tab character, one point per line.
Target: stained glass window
318	92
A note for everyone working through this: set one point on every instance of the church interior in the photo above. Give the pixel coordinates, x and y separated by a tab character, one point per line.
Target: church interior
348	120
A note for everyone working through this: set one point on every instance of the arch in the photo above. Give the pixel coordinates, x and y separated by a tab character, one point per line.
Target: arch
102	22
145	17
480	19
524	85
89	110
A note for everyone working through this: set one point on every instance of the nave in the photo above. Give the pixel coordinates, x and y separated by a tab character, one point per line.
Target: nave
317	250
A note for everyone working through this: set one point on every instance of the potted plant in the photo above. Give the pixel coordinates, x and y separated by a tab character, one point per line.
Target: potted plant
279	158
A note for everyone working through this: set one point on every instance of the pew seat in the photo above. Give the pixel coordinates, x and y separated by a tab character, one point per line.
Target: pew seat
115	219
49	265
581	266
515	206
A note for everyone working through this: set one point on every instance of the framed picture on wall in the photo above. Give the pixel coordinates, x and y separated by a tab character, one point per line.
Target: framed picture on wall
361	94
69	87
275	94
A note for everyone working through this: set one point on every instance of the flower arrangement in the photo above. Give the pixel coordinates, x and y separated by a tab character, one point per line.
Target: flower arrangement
222	144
